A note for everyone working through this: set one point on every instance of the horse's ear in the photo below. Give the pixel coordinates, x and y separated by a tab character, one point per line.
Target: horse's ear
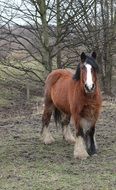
83	57
94	55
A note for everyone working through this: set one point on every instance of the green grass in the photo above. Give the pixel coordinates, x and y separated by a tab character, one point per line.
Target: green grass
27	164
39	167
14	84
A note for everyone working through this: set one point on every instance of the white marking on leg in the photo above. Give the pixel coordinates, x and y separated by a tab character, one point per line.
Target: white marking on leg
68	135
80	149
47	137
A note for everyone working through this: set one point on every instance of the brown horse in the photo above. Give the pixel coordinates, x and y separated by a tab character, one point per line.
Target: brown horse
75	97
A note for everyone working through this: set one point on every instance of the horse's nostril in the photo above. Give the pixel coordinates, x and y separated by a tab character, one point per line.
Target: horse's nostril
86	87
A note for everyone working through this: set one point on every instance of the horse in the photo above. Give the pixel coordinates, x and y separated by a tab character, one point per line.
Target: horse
75	97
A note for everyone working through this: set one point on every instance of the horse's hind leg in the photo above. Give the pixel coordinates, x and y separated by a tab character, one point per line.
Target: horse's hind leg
47	137
67	135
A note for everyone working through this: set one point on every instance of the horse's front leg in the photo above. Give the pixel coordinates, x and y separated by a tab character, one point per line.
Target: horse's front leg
80	150
90	141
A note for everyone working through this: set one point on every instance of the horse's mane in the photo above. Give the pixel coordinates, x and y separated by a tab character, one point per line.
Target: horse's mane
76	76
89	60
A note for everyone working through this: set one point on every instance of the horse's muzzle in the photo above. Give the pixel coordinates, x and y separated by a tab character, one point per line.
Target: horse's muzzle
89	89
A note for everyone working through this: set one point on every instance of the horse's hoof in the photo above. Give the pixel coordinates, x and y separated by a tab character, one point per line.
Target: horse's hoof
70	140
92	152
95	155
81	156
48	140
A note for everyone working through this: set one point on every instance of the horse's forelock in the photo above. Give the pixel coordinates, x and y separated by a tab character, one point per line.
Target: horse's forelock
91	61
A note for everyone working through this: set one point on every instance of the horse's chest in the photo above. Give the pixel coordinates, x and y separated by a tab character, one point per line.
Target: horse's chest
88	112
88	117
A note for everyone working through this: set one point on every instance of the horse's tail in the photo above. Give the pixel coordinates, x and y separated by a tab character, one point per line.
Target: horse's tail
57	116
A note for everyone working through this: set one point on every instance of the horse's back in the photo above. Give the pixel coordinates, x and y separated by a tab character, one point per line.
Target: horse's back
55	75
59	73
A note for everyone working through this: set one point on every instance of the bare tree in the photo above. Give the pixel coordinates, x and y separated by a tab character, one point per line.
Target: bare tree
96	31
51	33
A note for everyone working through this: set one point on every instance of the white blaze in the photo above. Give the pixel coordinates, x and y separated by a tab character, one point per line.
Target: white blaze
89	81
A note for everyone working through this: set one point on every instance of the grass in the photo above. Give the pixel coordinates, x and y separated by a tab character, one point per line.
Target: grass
27	164
13	82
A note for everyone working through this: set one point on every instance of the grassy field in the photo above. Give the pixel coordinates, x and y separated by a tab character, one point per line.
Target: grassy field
27	164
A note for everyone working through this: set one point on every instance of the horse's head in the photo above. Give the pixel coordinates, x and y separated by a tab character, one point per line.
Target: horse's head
88	70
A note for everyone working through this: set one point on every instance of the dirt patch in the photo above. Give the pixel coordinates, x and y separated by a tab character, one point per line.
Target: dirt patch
27	164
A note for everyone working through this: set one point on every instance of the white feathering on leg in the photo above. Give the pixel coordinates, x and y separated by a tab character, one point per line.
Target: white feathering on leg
47	137
68	135
80	149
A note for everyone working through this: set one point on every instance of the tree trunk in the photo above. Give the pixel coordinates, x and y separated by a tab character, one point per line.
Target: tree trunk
106	55
58	35
106	72
45	38
47	62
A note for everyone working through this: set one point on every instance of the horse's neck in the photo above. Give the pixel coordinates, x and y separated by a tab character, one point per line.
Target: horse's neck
79	87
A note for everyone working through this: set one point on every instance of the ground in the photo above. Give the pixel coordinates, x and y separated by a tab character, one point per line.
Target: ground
27	164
